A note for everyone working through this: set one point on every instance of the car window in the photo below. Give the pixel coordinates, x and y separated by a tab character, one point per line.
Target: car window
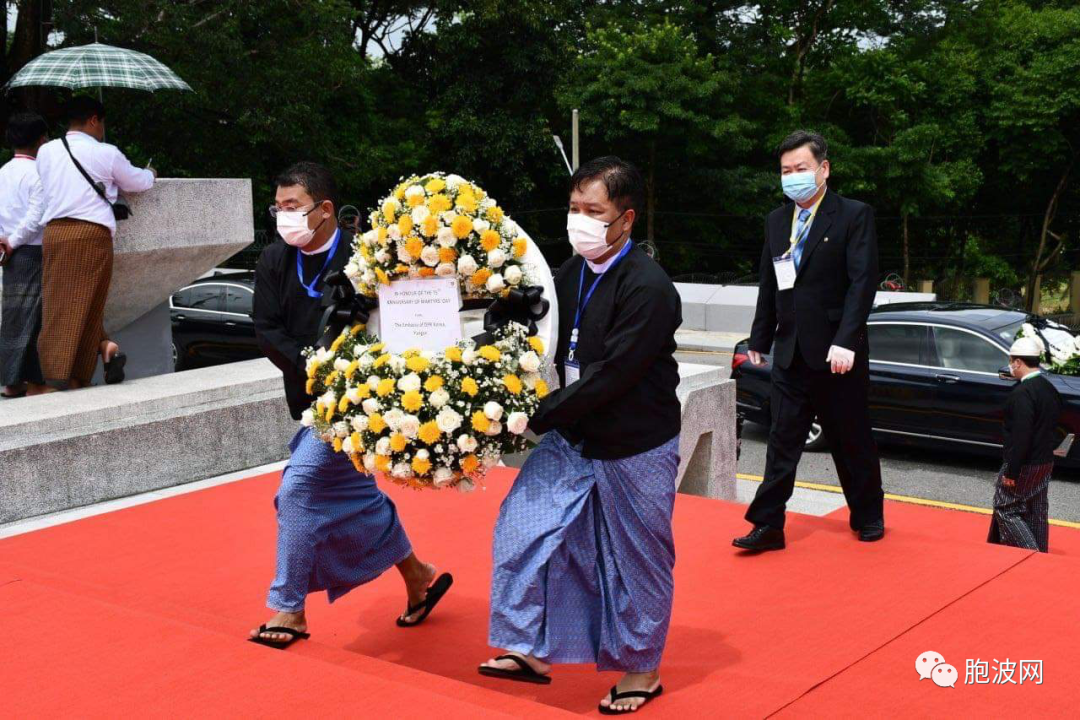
204	297
959	350
238	300
898	343
181	299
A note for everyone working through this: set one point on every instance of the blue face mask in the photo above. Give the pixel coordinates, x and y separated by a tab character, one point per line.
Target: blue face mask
800	186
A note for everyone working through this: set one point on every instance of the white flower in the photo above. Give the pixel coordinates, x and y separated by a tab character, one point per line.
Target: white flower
409	383
370	406
341	364
420	214
448	420
496	258
393	418
394	232
512	275
414	191
410	426
443	476
397	363
382	256
452	181
341	428
446	237
382	446
508	227
366	360
427	355
352	270
529	362
465	485
373	382
517	422
439	398
328	398
370	237
493	410
423	454
489	461
430	255
466	265
402	470
369	462
530	380
466	443
322	355
404	255
495	283
368	278
468	357
494	429
360	423
346	446
307	418
480	226
353	393
445	270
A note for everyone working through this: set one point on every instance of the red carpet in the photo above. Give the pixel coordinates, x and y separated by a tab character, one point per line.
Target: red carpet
144	611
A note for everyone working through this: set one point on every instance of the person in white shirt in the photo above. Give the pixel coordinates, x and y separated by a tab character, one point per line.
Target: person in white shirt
20	241
81	179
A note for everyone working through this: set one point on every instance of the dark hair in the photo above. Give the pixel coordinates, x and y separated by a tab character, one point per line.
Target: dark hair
801	138
1031	362
624	183
83	107
24	129
314	178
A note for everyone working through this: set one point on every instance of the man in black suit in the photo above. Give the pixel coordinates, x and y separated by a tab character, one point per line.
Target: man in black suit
819	272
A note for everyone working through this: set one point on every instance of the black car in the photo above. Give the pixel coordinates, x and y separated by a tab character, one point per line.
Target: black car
938	376
211	321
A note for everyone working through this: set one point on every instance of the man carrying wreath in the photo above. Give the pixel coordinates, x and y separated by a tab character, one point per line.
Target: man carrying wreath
336	528
583	551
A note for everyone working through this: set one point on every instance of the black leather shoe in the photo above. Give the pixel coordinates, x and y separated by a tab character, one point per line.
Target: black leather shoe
872	531
761	538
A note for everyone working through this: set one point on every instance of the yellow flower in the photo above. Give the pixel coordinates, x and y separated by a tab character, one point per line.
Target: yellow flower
430	226
490	352
447	255
466	201
435	185
344	404
383	235
495	214
536	344
388	211
520	246
541	389
480	422
386	386
421	466
405	224
399	191
376	424
398	442
351	370
337	444
416	199
480	277
313	369
310	388
332	378
469	387
377	347
338	342
430	432
513	384
319	409
417	364
453	353
489	240
415	246
382	463
357	444
438	204
356	329
469	463
433	383
411	352
329	414
381	360
461	226
358	463
382	276
363	391
412	400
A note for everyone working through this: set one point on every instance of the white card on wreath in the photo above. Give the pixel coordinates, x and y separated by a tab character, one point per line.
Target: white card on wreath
420	314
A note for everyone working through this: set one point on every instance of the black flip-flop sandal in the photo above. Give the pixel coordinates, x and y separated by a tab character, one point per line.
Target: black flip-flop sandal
435	593
114	369
617	696
293	634
524	674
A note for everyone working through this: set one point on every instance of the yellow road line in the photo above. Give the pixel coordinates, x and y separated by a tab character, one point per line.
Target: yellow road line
907	499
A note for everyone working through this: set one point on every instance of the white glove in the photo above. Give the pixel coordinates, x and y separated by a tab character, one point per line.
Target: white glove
755	357
841	359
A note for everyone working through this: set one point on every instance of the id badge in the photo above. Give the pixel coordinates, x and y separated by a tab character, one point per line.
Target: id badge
571	371
785	272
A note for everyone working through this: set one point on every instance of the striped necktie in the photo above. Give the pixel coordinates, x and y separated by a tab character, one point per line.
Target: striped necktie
796	254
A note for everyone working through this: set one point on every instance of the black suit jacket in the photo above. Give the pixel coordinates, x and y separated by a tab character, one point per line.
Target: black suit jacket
834	287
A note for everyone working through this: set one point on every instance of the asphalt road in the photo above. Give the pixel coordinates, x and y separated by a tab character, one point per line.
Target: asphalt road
942	475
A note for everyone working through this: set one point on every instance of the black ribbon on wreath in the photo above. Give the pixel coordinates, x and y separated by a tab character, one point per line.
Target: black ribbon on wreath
344	307
524	305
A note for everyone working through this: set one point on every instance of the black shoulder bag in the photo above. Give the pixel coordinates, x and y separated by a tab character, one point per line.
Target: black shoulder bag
121	210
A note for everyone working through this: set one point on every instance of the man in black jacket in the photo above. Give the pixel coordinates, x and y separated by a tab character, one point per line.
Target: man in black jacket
1021	505
336	529
583	546
819	270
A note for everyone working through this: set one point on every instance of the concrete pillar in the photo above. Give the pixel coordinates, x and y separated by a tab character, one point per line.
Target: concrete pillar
981	290
1074	293
925	286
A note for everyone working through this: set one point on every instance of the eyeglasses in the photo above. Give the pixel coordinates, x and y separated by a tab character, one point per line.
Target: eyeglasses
274	210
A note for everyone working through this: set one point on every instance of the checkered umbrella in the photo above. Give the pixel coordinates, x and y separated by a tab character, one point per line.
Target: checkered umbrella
98	65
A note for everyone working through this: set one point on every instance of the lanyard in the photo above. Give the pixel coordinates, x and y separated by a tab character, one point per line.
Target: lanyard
25	157
588	296
806	228
311	291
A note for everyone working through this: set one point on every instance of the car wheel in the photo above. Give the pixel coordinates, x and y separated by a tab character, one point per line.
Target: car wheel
177	357
816	439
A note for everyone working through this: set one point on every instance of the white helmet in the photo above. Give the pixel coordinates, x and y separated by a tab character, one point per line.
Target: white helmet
1026	347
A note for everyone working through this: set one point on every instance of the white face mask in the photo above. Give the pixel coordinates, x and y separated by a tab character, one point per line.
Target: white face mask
588	236
293	228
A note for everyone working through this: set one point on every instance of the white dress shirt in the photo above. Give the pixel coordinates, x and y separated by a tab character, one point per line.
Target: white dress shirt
69	195
20	202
